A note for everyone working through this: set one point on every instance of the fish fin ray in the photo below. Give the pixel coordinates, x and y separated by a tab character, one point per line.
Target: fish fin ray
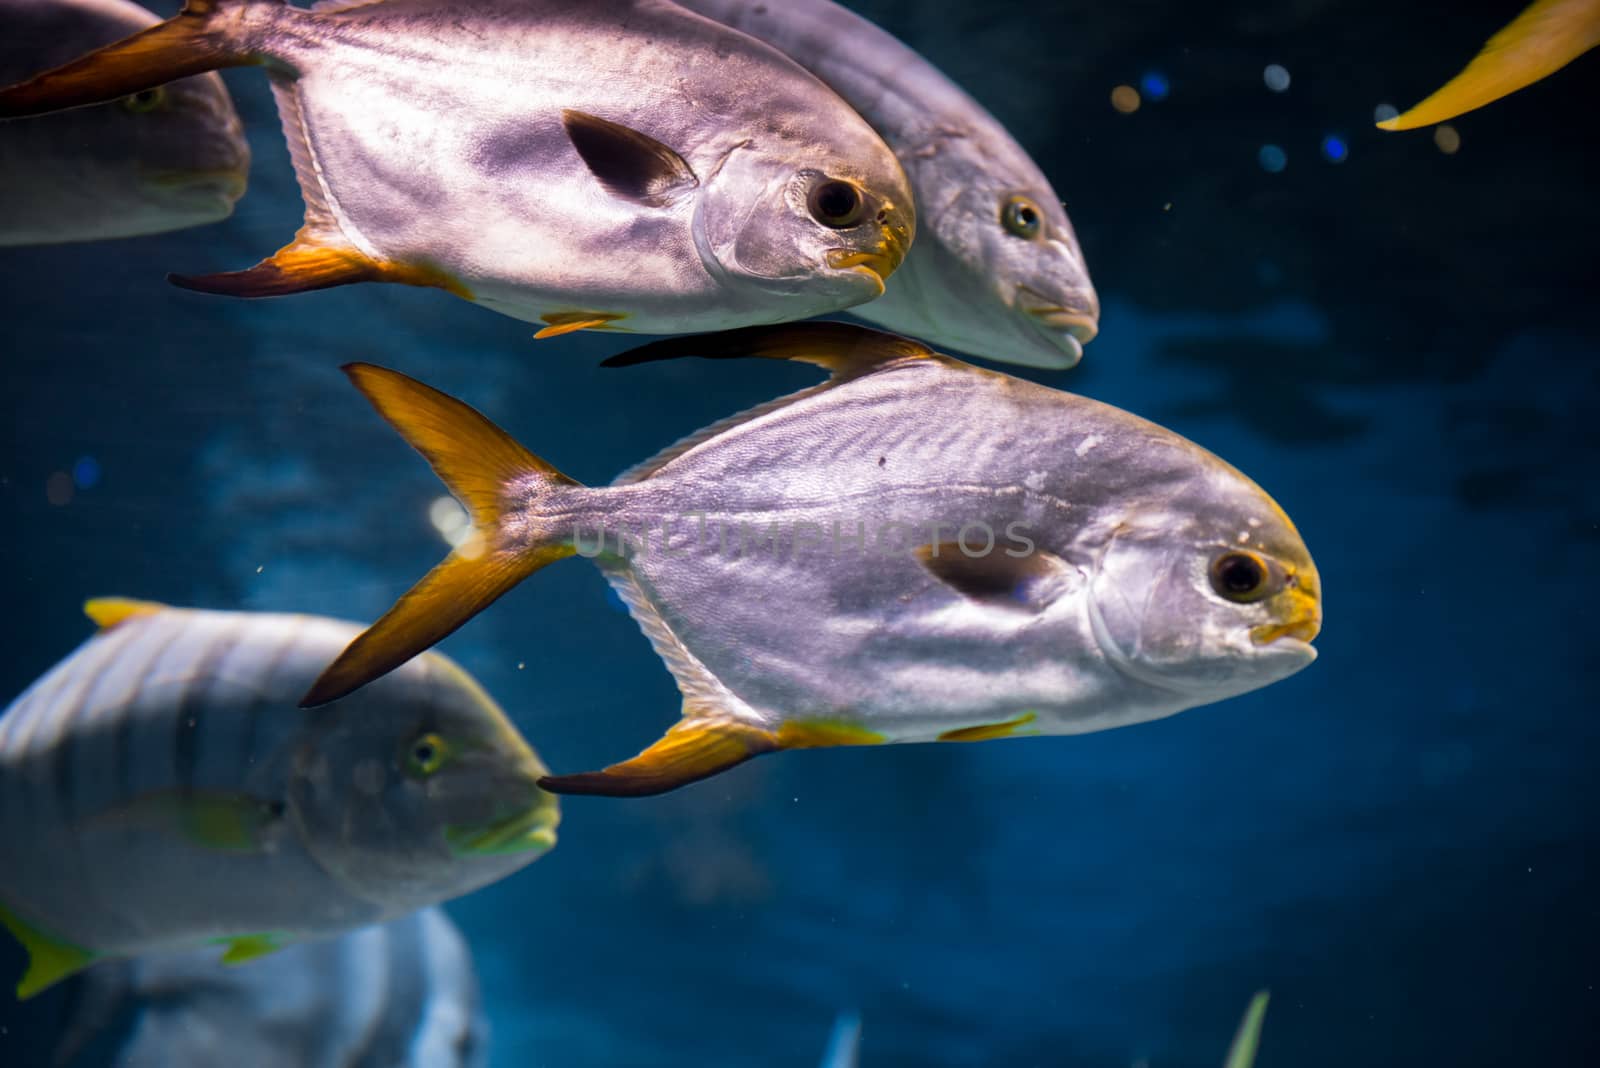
50	960
320	226
1547	36
695	748
493	477
699	687
192	42
107	612
628	164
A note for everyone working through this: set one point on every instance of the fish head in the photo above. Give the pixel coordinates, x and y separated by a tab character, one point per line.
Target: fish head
1206	589
187	149
824	233
417	789
1010	253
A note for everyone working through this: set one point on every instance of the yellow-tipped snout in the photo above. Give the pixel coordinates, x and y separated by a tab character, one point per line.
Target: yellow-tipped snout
1299	615
881	261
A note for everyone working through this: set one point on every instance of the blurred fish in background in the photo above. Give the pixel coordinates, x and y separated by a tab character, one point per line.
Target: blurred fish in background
620	165
401	995
159	790
996	271
163	158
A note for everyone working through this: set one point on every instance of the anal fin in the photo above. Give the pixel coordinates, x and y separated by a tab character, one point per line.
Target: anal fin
303	266
49	960
694	749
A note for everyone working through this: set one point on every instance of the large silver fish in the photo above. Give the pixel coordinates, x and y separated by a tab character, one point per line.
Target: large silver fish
165	158
917	550
400	995
996	270
160	790
619	164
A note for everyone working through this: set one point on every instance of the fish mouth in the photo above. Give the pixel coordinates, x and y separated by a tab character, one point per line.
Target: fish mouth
225	184
532	830
1069	327
878	263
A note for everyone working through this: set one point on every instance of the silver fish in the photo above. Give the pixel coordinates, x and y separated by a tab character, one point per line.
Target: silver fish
400	995
164	158
615	164
997	270
159	791
917	550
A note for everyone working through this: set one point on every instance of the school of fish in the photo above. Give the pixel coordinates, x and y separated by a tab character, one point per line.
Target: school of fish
958	555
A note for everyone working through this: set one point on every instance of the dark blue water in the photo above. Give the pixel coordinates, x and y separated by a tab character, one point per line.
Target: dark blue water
1399	842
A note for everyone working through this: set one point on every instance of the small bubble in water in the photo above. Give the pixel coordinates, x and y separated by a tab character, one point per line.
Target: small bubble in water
260	568
1385	112
1334	149
1276	76
1125	98
86	472
1155	85
1272	159
521	664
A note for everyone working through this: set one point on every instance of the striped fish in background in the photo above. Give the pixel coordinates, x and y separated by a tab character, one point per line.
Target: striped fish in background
402	995
160	790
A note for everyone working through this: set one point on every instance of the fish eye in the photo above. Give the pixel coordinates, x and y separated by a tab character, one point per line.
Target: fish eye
146	101
426	755
1022	217
1240	576
836	204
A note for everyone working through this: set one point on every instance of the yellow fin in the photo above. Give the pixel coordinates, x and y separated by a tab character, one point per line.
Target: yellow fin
1242	1054
107	612
692	750
304	265
496	479
989	731
49	961
1537	43
845	349
249	947
824	733
570	322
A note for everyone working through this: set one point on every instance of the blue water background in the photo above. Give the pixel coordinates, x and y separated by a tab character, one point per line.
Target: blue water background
1399	842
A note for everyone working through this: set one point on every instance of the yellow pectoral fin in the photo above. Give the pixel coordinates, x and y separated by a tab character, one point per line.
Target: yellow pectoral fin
249	947
985	732
1543	39
49	960
570	322
692	750
107	612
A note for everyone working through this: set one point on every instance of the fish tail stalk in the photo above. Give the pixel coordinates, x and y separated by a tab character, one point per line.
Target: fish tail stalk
511	495
207	35
1547	36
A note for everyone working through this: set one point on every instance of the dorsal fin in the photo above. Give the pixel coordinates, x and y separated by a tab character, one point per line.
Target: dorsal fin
107	612
845	350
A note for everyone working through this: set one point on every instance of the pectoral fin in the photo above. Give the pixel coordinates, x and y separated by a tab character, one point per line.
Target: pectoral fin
1242	1054
692	750
845	349
559	323
214	820
249	947
629	164
1025	583
49	960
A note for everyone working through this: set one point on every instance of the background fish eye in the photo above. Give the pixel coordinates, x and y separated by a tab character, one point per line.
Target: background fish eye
145	101
426	755
1241	576
1022	217
836	203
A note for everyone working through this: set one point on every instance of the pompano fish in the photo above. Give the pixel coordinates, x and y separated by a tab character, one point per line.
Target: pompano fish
400	995
165	158
160	790
917	550
1537	43
997	270
618	164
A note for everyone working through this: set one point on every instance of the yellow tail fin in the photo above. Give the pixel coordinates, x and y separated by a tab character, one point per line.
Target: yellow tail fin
49	961
204	36
1537	43
495	478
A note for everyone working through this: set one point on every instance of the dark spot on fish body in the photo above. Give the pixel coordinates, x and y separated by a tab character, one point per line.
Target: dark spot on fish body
882	460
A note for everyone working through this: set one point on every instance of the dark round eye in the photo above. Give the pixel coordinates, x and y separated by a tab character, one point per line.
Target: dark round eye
1022	217
837	204
426	755
1240	576
145	101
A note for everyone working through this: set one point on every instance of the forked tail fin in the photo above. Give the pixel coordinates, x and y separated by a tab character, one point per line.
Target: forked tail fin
502	486
206	35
